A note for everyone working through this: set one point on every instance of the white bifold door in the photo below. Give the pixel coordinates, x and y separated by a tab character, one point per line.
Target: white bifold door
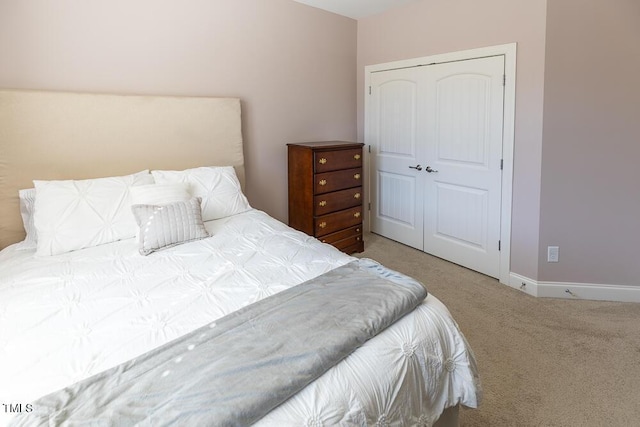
436	159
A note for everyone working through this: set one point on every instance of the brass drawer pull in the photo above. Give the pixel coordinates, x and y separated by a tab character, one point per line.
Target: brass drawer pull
356	196
357	230
356	176
322	203
323	182
322	224
356	157
356	215
322	161
358	238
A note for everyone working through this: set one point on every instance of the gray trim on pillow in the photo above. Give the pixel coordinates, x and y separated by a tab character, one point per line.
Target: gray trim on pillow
27	205
165	226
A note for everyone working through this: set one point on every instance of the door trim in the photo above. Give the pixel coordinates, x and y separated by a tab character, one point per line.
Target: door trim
508	140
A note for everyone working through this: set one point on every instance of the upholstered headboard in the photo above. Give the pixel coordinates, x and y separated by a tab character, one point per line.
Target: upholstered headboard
57	135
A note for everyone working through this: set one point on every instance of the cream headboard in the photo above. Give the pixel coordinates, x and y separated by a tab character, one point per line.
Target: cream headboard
57	135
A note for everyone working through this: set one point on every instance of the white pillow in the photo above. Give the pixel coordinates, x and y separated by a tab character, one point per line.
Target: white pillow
71	215
168	225
159	194
218	187
27	204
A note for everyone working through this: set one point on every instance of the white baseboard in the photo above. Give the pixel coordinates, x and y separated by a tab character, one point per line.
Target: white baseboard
524	284
586	291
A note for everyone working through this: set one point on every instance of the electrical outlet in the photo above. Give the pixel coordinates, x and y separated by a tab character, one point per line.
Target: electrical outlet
552	253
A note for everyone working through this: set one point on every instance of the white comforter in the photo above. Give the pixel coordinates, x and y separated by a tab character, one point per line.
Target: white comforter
67	317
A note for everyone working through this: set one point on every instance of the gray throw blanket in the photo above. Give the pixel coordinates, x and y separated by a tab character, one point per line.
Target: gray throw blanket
236	370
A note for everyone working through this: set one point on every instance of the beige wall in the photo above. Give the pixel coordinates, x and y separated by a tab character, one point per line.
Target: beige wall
428	27
590	200
292	65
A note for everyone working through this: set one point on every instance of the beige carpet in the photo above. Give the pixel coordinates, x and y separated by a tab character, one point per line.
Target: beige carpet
543	362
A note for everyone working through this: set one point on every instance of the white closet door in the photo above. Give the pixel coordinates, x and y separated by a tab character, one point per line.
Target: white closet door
397	111
464	146
448	120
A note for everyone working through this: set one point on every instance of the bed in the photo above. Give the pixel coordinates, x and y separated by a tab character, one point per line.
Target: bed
81	318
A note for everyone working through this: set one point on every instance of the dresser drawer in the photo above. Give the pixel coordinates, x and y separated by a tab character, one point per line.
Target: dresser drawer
348	233
350	242
337	201
325	161
333	222
338	180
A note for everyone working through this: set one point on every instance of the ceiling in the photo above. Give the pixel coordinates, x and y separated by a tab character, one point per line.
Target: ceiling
355	9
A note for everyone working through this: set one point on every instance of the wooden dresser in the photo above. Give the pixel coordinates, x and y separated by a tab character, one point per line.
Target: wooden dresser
326	192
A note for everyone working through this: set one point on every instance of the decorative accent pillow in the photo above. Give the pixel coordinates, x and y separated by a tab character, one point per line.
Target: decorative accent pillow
71	215
218	187
164	226
27	204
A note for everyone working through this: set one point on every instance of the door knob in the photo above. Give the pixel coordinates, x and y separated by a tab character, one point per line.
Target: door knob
428	169
418	167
